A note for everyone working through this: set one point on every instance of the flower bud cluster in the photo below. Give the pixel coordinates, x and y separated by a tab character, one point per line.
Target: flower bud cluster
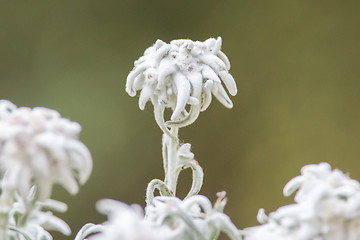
167	218
38	221
127	223
182	73
39	147
327	207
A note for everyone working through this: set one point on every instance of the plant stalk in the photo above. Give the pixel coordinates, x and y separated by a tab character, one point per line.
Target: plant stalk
6	201
171	175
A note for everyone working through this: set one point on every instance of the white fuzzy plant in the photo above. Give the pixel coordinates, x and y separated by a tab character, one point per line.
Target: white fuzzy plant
181	76
38	149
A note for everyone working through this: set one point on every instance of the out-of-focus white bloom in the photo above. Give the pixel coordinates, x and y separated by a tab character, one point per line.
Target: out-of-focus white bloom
181	73
36	223
167	218
127	223
39	147
193	218
327	207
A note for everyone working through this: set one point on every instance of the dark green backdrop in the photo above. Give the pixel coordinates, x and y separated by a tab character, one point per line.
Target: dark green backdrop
296	64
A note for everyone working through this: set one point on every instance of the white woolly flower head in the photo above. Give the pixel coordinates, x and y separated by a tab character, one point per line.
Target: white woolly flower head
193	218
181	73
327	207
38	221
127	223
166	218
38	146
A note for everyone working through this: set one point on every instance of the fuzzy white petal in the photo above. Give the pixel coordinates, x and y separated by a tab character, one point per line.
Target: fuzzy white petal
229	82
209	73
166	68
217	46
145	96
225	59
183	94
131	78
221	95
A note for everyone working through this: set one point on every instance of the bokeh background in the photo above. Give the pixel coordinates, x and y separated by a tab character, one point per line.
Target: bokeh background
296	64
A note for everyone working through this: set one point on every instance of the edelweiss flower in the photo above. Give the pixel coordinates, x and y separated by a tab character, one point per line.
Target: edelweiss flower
167	218
37	222
126	223
181	73
327	207
39	147
193	218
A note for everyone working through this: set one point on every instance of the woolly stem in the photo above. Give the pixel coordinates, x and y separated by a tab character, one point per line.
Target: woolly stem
170	160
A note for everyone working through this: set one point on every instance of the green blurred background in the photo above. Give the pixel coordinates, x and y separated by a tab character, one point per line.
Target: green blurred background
296	64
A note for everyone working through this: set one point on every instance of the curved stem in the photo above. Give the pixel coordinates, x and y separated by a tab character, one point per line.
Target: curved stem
159	118
156	184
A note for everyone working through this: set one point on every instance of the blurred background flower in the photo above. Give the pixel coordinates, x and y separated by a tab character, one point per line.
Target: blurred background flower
296	68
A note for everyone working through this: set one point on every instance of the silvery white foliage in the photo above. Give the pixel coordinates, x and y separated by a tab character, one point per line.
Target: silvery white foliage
38	146
35	224
167	218
126	223
180	73
184	159
327	208
193	218
177	75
